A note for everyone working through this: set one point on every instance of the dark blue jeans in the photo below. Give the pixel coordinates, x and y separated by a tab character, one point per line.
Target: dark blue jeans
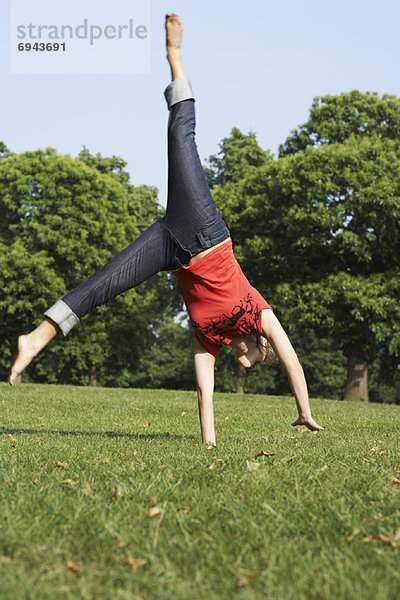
191	224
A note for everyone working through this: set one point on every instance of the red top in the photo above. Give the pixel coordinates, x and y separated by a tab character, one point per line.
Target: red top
219	299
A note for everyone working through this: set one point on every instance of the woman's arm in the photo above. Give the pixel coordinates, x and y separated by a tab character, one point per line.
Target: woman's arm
204	363
274	332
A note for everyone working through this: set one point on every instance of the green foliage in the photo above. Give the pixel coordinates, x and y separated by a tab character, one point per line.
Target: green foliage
344	241
27	284
333	119
238	153
167	360
63	218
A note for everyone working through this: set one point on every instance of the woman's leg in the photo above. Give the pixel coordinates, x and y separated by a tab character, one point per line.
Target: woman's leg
191	214
151	252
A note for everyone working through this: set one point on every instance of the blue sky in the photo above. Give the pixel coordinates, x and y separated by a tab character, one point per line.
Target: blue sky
255	65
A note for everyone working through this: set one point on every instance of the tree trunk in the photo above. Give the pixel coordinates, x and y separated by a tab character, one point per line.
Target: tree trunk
397	386
92	375
240	379
357	377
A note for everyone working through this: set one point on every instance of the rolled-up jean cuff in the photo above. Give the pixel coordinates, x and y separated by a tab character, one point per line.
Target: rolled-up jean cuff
63	316
178	90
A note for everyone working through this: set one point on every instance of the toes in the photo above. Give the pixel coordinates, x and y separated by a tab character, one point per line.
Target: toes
172	17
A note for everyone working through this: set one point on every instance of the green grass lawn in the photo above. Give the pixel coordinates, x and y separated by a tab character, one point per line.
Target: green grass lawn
139	508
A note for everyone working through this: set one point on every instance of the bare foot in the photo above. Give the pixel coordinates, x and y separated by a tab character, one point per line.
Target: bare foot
174	29
308	422
26	352
31	344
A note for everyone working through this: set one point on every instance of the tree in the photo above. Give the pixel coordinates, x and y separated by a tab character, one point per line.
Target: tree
347	161
237	155
333	119
317	230
62	218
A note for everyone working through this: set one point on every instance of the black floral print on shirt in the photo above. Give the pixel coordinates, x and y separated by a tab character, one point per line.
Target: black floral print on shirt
244	319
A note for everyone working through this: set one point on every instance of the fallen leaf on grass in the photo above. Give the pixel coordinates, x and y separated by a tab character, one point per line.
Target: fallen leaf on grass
61	465
72	567
263	453
183	509
88	490
380	538
211	467
183	414
369	462
145	424
383	452
375	449
12	439
246	579
324	468
353	534
69	482
153	512
35	480
117	494
252	466
218	459
394	479
136	563
264	437
211	446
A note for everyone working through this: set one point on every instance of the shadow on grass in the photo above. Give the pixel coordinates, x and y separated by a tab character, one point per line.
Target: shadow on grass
110	434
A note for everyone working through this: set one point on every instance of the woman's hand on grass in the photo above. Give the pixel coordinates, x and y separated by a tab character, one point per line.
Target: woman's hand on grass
308	422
